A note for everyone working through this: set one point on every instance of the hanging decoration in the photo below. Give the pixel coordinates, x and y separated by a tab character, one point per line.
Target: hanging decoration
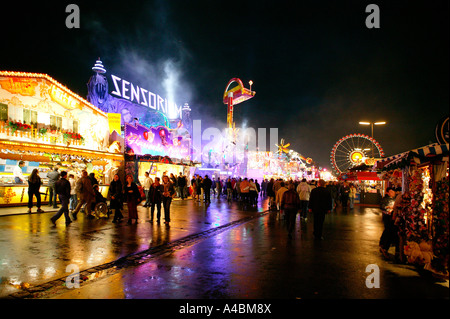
441	228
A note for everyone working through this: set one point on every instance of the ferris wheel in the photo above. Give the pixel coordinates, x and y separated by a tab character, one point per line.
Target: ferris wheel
353	150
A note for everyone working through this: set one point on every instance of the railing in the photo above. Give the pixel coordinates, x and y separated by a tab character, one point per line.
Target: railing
54	137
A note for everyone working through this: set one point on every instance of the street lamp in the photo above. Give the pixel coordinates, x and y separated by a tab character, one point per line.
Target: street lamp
372	124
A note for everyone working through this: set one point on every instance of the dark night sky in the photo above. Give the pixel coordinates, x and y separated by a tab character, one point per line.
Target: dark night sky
317	70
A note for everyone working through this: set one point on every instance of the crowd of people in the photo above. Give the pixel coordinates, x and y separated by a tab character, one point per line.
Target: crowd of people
289	196
83	193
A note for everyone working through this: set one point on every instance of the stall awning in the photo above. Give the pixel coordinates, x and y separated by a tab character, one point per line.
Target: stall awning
360	176
418	156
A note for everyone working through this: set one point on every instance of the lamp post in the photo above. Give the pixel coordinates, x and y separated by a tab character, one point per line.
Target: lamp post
371	125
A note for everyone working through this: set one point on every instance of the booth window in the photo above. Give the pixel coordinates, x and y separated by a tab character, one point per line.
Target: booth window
3	112
55	122
75	127
29	117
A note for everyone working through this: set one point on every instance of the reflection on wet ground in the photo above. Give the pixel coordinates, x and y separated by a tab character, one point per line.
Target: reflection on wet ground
235	256
33	251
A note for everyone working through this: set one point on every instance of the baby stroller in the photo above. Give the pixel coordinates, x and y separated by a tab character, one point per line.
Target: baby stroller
99	207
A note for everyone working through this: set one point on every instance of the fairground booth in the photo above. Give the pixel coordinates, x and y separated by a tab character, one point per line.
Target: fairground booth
423	217
368	185
156	133
44	124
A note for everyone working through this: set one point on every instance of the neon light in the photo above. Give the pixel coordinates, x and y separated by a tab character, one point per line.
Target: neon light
134	93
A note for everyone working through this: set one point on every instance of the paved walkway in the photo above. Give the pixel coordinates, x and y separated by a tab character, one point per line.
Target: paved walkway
208	252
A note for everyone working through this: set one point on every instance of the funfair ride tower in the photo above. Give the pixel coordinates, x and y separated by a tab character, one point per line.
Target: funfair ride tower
234	96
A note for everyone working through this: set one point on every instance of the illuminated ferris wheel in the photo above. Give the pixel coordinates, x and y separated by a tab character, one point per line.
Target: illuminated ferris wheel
353	150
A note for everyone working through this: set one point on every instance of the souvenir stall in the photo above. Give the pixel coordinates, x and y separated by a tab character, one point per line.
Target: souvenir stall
44	124
368	185
422	216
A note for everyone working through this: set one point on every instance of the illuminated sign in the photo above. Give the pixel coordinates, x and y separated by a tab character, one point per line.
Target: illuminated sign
138	95
156	141
24	87
64	99
114	122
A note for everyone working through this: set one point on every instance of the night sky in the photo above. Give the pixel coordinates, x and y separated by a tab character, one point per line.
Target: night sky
317	69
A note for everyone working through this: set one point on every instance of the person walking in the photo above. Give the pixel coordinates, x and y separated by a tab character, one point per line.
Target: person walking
387	237
146	186
167	195
85	194
62	188
237	187
345	190
264	187
73	193
181	182
207	184
218	187
279	195
319	205
34	184
174	182
116	195
18	173
133	197
290	204
194	187
332	188
271	194
253	192
229	189
304	191
245	190
199	188
53	177
155	198
352	195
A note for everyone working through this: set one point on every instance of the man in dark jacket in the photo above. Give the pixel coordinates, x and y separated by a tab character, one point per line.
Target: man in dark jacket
155	197
290	204
207	184
181	185
62	188
319	204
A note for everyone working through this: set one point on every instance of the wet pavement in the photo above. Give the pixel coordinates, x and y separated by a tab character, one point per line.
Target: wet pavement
216	251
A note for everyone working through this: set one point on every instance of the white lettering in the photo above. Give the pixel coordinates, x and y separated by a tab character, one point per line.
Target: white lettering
161	104
129	91
73	280
373	280
373	19
214	144
124	89
73	19
197	140
143	96
152	97
116	86
135	93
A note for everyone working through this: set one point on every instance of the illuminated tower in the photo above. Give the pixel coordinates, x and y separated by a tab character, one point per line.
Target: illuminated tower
98	87
234	96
